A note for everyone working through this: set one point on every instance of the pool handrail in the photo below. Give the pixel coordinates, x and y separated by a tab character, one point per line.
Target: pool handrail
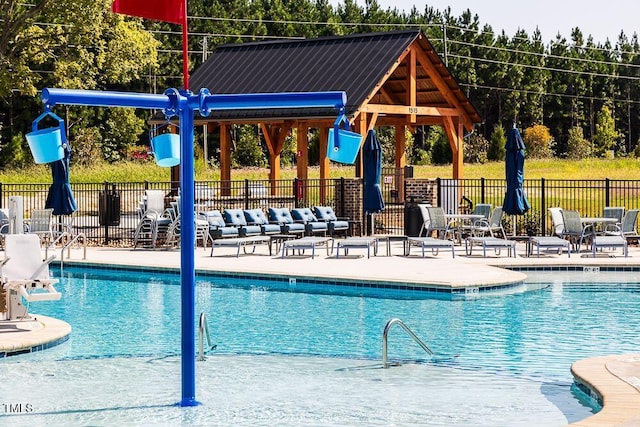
203	331
385	333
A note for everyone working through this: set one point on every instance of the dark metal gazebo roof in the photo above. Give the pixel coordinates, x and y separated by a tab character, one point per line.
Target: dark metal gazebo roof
356	64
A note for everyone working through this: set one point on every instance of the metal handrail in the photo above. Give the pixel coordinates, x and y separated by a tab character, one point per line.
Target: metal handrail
67	246
203	331
385	333
62	236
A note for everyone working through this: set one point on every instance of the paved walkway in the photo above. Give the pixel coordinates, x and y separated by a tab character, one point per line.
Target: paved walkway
616	378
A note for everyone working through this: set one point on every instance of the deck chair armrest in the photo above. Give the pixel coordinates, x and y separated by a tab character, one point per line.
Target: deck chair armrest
44	265
4	261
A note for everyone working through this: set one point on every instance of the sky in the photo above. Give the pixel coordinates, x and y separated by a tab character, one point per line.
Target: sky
602	19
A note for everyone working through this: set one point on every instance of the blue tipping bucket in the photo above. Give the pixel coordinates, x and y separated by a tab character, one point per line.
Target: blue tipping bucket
47	145
166	148
347	148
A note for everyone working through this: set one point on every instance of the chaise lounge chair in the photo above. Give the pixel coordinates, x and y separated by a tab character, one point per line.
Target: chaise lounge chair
25	275
311	224
257	217
327	214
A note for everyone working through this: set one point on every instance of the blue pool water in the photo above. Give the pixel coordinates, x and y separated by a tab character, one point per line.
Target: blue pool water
532	336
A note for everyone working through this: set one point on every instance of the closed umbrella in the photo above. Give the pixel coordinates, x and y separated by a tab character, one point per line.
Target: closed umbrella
515	200
60	197
372	165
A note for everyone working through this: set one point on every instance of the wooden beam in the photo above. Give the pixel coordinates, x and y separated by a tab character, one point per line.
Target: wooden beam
410	95
455	142
401	158
324	163
225	160
442	86
410	110
302	152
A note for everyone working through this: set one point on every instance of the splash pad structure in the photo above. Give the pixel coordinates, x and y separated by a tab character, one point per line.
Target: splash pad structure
183	104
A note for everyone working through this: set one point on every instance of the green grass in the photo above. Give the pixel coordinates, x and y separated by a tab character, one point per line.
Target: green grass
137	172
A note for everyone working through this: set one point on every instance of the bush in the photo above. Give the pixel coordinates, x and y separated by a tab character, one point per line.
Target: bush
538	142
14	154
475	149
85	147
577	146
606	135
497	143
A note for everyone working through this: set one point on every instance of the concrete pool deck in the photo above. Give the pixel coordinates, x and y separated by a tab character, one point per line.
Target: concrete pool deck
615	378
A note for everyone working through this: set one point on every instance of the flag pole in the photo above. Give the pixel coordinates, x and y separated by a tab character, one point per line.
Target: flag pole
185	48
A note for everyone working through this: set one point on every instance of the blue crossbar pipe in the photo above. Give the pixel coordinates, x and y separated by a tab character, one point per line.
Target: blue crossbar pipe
183	104
335	99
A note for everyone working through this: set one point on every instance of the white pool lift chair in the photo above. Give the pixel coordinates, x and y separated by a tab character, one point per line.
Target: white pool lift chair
25	275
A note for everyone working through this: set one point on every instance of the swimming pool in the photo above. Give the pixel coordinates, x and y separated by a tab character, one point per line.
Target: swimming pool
514	350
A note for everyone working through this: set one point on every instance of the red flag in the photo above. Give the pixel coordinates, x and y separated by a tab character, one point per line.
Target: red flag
160	10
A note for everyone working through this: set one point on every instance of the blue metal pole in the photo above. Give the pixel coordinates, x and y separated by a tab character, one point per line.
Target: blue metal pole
97	98
335	99
187	263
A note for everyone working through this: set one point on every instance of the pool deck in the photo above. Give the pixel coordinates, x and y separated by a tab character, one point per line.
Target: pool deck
615	378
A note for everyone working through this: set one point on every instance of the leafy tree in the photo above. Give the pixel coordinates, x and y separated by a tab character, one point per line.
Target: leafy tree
441	153
577	146
538	142
606	136
497	143
247	150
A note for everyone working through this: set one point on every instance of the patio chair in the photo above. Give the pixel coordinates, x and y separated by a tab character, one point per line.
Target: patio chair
41	224
25	275
489	226
327	214
574	230
436	221
201	230
154	220
557	221
616	212
627	227
257	217
311	224
236	218
467	228
282	217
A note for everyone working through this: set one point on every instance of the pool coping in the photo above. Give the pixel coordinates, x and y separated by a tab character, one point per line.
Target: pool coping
41	332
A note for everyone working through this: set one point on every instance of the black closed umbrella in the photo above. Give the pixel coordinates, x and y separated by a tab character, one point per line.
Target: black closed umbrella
60	197
372	165
515	200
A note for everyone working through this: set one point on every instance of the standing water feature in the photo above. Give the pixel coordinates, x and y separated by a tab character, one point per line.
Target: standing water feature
183	104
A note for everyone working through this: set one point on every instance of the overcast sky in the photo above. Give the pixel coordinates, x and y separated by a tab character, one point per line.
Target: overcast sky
602	19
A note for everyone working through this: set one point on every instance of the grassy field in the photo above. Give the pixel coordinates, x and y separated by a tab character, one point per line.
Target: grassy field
137	172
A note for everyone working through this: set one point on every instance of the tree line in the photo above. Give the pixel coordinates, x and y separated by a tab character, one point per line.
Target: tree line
572	97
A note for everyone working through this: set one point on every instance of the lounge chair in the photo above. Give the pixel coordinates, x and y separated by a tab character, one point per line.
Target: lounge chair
282	217
327	214
217	227
310	221
25	275
257	217
236	218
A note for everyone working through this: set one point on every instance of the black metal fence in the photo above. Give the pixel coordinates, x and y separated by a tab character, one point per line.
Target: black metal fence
107	212
589	197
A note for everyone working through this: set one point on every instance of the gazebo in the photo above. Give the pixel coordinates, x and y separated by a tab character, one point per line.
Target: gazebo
391	79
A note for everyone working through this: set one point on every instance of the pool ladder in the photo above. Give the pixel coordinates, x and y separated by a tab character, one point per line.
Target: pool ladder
385	333
203	332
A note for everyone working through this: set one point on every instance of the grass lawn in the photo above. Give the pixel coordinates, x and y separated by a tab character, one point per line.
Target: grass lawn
138	172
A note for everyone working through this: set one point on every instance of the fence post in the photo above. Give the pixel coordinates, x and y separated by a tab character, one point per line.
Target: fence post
1	195
607	189
481	190
543	208
342	207
146	184
438	191
246	193
107	213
